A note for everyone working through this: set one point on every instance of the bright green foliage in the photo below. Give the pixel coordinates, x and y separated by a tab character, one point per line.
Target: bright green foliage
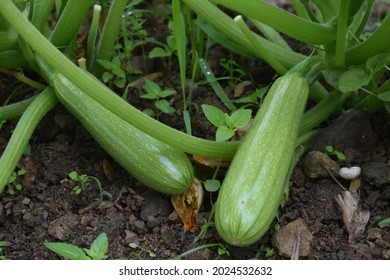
83	182
13	184
97	251
3	244
154	92
226	125
114	72
140	251
333	152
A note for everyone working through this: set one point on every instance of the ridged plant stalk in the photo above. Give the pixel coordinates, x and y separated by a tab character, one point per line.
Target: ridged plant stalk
22	133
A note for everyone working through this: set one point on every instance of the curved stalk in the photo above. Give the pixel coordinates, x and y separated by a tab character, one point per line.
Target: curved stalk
283	21
99	92
15	110
22	133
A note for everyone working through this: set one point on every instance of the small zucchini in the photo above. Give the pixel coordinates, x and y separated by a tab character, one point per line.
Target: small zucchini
255	182
150	161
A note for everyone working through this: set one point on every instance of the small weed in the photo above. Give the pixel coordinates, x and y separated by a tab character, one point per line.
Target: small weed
384	223
97	251
226	125
114	73
83	182
13	185
154	92
140	251
254	99
2	245
266	251
333	152
232	69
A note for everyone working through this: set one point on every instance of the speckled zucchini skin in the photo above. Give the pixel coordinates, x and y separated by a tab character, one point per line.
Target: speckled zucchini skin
255	182
155	164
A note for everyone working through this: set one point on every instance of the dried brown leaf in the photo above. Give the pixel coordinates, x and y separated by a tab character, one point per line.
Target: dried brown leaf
355	219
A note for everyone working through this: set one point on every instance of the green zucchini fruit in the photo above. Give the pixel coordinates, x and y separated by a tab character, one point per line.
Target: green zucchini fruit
150	161
255	183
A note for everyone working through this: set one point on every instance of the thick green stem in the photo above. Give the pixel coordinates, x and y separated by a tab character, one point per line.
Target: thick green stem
341	35
69	23
377	43
110	32
225	25
99	92
15	110
283	21
264	53
22	133
92	36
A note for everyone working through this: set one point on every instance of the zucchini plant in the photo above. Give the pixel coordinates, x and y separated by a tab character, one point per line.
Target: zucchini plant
256	179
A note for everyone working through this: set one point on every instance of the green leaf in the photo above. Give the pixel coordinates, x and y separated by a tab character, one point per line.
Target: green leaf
152	87
133	245
98	248
214	115
107	76
74	176
332	76
378	62
166	93
384	223
120	83
158	52
119	72
67	251
384	96
106	64
353	79
149	95
224	133
164	106
212	185
241	117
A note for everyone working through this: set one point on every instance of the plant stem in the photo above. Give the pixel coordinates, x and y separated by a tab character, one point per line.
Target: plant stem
22	78
341	34
92	36
283	21
377	43
15	110
103	95
69	23
22	133
225	25
110	32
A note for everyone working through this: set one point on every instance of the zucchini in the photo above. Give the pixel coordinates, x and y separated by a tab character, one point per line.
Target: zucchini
255	182
150	161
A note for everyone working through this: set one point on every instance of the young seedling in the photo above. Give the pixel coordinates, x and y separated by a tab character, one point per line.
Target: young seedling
226	125
154	92
2	245
83	182
141	250
333	152
234	71
13	185
114	73
253	99
166	50
97	251
268	252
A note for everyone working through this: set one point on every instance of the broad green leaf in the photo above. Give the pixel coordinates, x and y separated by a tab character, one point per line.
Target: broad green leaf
106	64
67	251
241	117
353	79
107	76
164	106
377	62
119	72
98	248
166	93
332	77
152	87
214	115
158	52
384	223
384	96
224	133
149	95
212	185
120	83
